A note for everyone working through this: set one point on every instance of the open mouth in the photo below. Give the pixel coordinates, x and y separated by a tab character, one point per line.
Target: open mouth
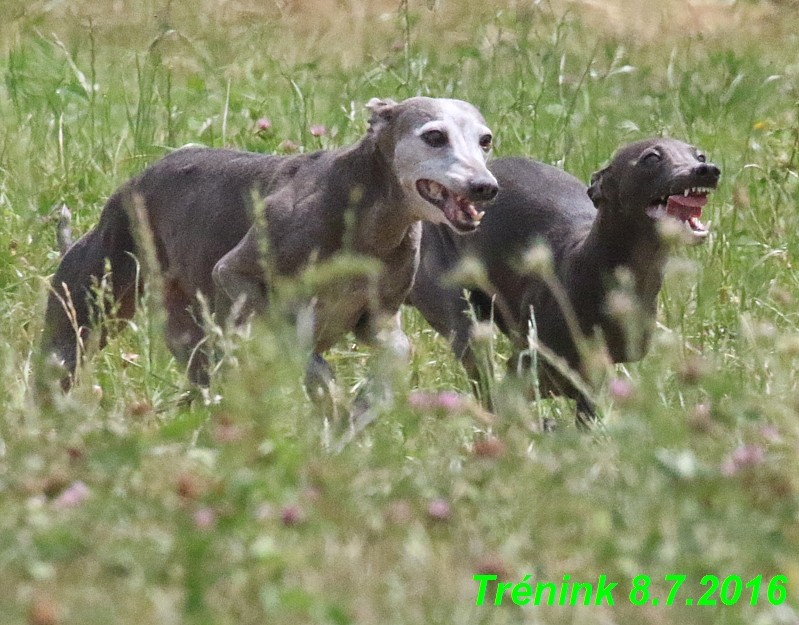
685	207
458	210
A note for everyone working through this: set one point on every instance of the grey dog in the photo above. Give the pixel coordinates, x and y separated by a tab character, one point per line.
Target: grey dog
596	235
422	159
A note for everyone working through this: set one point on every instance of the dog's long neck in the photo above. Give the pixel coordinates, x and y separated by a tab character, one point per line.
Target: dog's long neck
617	241
381	219
615	245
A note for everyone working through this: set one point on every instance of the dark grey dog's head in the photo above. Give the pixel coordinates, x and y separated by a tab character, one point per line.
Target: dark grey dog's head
655	179
437	149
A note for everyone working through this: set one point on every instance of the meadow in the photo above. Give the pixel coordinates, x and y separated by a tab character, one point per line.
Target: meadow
124	503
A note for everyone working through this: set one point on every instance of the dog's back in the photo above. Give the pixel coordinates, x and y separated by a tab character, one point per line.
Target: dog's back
536	203
202	195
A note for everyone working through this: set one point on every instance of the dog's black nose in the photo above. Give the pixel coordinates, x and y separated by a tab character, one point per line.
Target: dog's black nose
482	189
707	170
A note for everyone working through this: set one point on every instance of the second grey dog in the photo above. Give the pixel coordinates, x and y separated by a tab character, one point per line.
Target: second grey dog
422	159
599	236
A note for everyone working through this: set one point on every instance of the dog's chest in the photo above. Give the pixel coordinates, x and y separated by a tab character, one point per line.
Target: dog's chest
346	303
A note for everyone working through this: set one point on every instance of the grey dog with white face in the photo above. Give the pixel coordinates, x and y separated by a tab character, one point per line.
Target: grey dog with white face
422	159
595	234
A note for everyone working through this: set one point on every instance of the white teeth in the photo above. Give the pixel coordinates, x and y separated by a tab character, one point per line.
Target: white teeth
697	191
479	216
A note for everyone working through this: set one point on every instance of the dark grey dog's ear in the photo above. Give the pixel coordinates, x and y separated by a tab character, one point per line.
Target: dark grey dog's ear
595	190
382	112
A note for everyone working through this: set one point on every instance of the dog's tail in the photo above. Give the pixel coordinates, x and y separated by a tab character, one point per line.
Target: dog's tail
77	300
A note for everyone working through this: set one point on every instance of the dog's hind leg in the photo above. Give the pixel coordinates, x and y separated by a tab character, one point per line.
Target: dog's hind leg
239	274
72	306
183	333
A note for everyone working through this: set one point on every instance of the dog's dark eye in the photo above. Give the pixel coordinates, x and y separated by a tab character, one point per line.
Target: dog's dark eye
701	158
435	138
485	142
651	156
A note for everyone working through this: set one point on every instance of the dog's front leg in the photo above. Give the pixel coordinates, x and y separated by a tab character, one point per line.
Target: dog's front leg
238	274
320	384
388	366
392	339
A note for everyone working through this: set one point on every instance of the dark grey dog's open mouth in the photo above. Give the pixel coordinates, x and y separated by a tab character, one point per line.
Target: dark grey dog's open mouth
458	210
685	206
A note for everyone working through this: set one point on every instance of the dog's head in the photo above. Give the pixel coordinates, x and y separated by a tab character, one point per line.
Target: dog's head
438	150
657	179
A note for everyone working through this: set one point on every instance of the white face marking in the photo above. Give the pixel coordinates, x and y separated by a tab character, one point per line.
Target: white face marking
454	165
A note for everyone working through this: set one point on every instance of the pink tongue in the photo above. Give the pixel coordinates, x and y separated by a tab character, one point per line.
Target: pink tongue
687	201
451	208
469	208
454	208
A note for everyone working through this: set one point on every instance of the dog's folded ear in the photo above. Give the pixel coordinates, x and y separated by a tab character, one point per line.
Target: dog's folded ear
595	190
382	111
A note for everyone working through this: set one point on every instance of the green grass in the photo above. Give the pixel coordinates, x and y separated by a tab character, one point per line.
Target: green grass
231	510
